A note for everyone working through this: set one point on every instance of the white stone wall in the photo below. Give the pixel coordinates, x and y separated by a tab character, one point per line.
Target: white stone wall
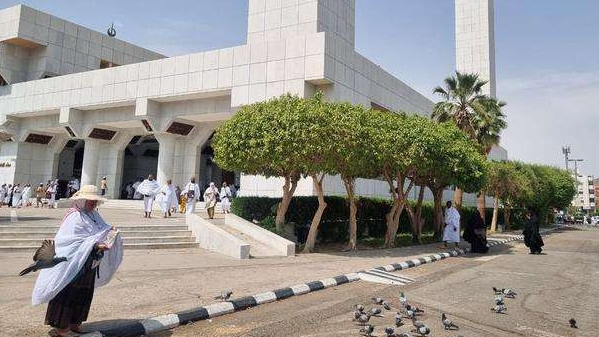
35	44
475	39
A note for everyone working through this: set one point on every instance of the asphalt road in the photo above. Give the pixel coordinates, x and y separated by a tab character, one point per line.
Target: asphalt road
551	288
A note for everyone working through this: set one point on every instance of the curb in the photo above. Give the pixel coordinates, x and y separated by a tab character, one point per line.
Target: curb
169	321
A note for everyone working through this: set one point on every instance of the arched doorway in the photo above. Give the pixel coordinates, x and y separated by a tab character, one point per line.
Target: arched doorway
140	160
211	172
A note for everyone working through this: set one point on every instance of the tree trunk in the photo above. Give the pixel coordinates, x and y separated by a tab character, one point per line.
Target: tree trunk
322	205
458	195
506	214
288	190
481	204
416	220
495	214
438	212
353	210
399	202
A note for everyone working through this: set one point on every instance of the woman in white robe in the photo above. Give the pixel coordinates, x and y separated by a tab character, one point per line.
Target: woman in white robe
210	199
26	195
168	196
451	232
16	196
51	194
93	250
148	188
225	198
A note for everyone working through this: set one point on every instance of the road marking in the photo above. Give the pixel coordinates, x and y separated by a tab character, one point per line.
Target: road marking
13	216
379	276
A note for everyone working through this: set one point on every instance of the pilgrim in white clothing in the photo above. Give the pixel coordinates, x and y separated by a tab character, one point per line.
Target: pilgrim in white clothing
148	188
26	195
16	196
191	192
210	199
93	250
3	192
225	198
51	191
451	233
168	196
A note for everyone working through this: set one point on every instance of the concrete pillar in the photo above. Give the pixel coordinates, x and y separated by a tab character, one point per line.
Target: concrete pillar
91	156
166	157
111	164
187	155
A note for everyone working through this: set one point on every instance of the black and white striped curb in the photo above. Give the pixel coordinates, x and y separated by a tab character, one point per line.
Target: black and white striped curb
169	321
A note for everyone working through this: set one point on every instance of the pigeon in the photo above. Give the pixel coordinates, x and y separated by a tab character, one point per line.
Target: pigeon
416	310
224	296
360	307
572	322
499	309
402	298
505	291
363	319
386	305
447	323
378	300
367	330
44	257
420	327
398	321
375	312
389	331
498	300
409	313
357	314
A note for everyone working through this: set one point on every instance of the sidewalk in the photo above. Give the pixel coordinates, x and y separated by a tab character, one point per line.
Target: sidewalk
156	282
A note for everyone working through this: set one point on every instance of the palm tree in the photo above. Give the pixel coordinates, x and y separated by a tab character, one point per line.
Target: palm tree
475	113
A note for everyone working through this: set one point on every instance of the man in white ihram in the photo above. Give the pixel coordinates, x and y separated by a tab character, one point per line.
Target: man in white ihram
148	188
451	233
192	192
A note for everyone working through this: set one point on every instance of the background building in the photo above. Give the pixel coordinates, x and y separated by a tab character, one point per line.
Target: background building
585	199
127	111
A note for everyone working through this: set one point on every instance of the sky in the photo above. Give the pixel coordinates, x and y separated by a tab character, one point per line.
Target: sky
547	55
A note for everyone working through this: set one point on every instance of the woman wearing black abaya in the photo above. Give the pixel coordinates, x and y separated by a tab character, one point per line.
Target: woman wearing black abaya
532	238
476	234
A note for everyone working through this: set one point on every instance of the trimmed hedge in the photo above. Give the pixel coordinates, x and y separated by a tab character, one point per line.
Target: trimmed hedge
334	224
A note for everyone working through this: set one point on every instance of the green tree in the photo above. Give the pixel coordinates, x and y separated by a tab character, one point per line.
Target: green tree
476	114
266	138
507	185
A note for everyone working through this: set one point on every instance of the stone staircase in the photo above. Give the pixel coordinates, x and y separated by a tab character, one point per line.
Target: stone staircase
257	249
172	233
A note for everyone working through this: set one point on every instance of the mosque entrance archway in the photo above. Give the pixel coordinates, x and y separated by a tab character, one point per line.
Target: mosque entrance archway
70	163
140	160
211	172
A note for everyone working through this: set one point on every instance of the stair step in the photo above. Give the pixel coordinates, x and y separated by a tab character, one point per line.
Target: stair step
48	235
167	245
133	240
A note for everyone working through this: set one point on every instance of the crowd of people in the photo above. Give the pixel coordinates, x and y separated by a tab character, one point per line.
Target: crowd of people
174	198
18	196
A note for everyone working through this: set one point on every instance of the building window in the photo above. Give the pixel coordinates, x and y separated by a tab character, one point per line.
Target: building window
107	64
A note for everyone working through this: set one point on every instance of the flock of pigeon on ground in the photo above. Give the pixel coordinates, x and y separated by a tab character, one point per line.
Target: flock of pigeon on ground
410	312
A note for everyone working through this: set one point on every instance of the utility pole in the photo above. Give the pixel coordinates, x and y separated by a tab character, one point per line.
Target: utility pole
566	152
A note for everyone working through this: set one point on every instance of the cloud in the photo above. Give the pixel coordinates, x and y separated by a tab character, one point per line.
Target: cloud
547	110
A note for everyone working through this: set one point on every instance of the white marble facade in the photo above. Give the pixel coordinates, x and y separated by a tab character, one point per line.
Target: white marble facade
293	46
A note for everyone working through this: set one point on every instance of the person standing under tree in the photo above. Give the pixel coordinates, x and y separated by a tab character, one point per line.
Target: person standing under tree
451	232
210	199
532	237
225	198
191	193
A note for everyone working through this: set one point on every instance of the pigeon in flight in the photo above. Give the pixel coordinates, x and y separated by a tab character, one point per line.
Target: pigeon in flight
572	322
378	300
224	296
447	323
499	309
398	321
386	305
44	257
367	330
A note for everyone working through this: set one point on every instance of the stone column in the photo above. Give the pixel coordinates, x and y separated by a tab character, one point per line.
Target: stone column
91	156
166	157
